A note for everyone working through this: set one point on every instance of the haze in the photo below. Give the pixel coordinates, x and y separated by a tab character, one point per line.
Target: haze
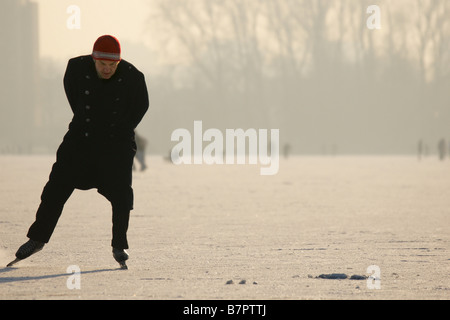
310	68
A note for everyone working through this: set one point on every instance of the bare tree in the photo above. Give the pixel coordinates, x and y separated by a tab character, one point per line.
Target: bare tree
433	29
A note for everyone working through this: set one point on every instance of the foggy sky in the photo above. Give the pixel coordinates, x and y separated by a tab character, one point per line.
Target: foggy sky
311	68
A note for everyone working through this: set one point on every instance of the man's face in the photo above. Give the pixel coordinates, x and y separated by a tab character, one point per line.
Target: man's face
105	69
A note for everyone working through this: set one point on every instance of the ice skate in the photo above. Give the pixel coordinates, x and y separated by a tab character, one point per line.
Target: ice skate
27	249
120	255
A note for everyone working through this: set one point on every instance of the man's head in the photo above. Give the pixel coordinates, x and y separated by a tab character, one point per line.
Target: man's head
106	55
105	69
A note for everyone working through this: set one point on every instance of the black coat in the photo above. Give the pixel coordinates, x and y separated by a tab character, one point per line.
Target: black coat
98	150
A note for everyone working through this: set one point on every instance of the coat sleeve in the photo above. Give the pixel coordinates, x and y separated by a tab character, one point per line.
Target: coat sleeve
70	85
142	101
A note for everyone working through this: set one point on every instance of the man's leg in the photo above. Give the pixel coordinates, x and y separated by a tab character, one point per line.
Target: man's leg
122	203
116	180
121	199
54	196
119	242
120	220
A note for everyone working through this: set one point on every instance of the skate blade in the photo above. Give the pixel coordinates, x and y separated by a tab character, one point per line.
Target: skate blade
12	263
123	265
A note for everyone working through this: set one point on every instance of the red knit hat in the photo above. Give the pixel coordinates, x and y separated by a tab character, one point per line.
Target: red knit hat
106	48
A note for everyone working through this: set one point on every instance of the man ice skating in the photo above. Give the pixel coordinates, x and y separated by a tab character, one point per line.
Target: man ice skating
108	97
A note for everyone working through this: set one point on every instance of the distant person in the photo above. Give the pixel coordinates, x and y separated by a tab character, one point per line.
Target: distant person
141	144
108	97
420	149
286	150
442	149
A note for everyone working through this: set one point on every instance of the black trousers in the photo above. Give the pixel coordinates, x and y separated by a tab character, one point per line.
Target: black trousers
54	196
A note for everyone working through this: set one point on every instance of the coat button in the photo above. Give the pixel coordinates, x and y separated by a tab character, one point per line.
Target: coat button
117	99
88	107
88	77
120	80
86	92
86	134
88	120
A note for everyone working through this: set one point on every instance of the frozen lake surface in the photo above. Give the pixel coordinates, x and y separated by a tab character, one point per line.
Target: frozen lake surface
196	227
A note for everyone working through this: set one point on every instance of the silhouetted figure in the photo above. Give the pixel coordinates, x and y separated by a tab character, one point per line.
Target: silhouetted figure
286	150
420	149
442	149
141	144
